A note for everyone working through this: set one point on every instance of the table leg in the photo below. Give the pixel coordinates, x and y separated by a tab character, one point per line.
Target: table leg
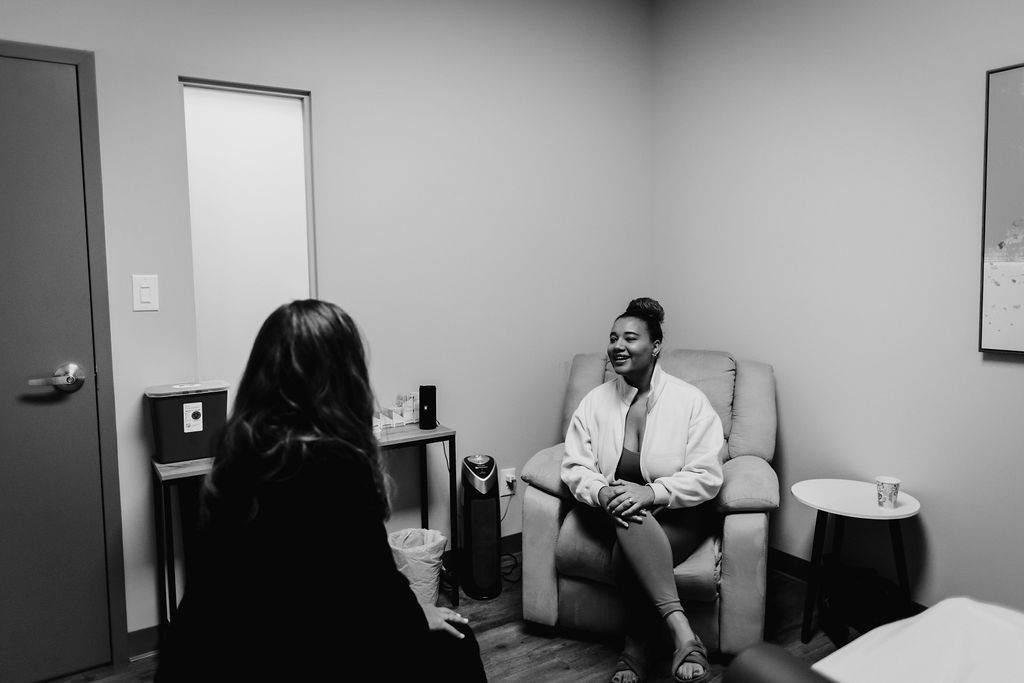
160	513
168	564
188	517
896	534
453	514
838	530
424	514
832	621
820	524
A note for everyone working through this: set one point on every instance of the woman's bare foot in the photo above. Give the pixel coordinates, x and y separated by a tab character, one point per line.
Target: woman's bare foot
682	634
631	666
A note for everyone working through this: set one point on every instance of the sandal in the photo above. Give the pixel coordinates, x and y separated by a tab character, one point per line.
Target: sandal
693	652
628	662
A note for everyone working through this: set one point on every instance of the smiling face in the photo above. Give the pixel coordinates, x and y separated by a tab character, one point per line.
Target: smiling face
631	350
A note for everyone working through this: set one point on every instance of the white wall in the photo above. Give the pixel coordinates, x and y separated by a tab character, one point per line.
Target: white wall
819	198
477	167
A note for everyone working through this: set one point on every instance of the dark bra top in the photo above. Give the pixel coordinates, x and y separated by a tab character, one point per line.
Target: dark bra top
629	467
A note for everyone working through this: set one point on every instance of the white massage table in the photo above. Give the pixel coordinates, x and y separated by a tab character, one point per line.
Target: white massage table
958	639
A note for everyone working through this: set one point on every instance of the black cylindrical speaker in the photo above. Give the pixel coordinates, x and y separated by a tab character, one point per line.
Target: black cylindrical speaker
428	407
481	524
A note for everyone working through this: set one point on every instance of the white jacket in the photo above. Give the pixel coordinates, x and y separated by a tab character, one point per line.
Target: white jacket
681	453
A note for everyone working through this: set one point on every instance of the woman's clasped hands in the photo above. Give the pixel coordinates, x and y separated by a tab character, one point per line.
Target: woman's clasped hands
626	501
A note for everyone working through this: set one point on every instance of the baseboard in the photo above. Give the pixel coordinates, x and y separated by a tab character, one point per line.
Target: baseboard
511	544
801	569
790	565
143	643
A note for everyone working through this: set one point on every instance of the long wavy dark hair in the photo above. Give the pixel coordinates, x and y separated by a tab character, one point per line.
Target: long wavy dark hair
305	390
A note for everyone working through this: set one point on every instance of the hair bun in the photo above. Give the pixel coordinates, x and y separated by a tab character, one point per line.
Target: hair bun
646	308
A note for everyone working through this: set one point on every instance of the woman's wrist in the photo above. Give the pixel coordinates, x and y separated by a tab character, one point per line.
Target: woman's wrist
654	494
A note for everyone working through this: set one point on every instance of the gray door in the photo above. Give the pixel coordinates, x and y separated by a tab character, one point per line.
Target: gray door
57	609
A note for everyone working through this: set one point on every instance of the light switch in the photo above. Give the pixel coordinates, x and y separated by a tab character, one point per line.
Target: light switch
145	293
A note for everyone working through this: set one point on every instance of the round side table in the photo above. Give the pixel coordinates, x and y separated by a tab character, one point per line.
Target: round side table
837	499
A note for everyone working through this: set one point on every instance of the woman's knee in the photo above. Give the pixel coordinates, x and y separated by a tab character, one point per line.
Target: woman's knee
641	535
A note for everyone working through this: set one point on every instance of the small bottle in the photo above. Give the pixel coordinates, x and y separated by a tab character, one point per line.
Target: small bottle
396	410
409	409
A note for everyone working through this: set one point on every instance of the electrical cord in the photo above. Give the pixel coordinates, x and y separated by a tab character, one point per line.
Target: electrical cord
511	572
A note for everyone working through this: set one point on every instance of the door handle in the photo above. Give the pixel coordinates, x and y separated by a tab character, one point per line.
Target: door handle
67	377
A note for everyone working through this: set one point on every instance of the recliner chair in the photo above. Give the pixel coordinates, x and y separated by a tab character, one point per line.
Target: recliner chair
567	573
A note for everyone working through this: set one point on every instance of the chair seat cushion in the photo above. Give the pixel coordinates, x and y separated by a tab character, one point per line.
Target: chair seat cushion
584	549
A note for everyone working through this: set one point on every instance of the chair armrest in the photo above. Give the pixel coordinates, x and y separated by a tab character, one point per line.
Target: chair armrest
544	471
546	501
743	580
750	485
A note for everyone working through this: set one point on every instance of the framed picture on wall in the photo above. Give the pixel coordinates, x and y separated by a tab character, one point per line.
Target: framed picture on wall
1002	261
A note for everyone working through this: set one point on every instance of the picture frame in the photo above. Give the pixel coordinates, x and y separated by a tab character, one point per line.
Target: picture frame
1001	318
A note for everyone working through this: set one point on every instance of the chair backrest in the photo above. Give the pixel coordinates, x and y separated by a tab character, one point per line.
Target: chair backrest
741	392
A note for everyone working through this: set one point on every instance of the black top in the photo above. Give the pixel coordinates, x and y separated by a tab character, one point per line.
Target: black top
307	590
629	467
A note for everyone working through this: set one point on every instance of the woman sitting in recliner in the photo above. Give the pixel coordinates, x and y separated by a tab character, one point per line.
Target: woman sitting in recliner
644	450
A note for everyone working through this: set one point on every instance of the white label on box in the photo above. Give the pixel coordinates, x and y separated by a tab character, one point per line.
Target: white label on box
193	417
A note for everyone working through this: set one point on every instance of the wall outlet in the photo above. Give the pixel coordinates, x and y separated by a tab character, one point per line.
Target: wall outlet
507	482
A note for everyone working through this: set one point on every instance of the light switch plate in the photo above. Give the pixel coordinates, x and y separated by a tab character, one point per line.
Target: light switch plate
145	293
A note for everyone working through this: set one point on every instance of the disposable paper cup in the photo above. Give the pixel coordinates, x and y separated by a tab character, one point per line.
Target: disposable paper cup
888	490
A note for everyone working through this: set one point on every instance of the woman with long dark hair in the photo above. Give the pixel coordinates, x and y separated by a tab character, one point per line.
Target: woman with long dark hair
294	577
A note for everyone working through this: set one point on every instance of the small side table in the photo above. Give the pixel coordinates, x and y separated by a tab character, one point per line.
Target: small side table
837	499
411	435
167	476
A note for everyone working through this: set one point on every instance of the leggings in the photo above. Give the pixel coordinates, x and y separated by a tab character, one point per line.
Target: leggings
649	551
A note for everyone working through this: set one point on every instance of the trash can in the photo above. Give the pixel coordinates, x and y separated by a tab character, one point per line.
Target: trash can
185	418
418	555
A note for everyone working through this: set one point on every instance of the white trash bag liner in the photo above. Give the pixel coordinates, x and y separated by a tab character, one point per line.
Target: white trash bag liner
418	555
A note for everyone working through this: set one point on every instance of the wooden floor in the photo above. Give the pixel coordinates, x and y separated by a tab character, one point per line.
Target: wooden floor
513	652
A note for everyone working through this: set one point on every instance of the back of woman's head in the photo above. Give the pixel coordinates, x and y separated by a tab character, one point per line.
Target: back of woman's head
648	310
307	370
305	392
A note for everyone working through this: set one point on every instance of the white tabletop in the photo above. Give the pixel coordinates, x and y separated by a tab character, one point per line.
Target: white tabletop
852	499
